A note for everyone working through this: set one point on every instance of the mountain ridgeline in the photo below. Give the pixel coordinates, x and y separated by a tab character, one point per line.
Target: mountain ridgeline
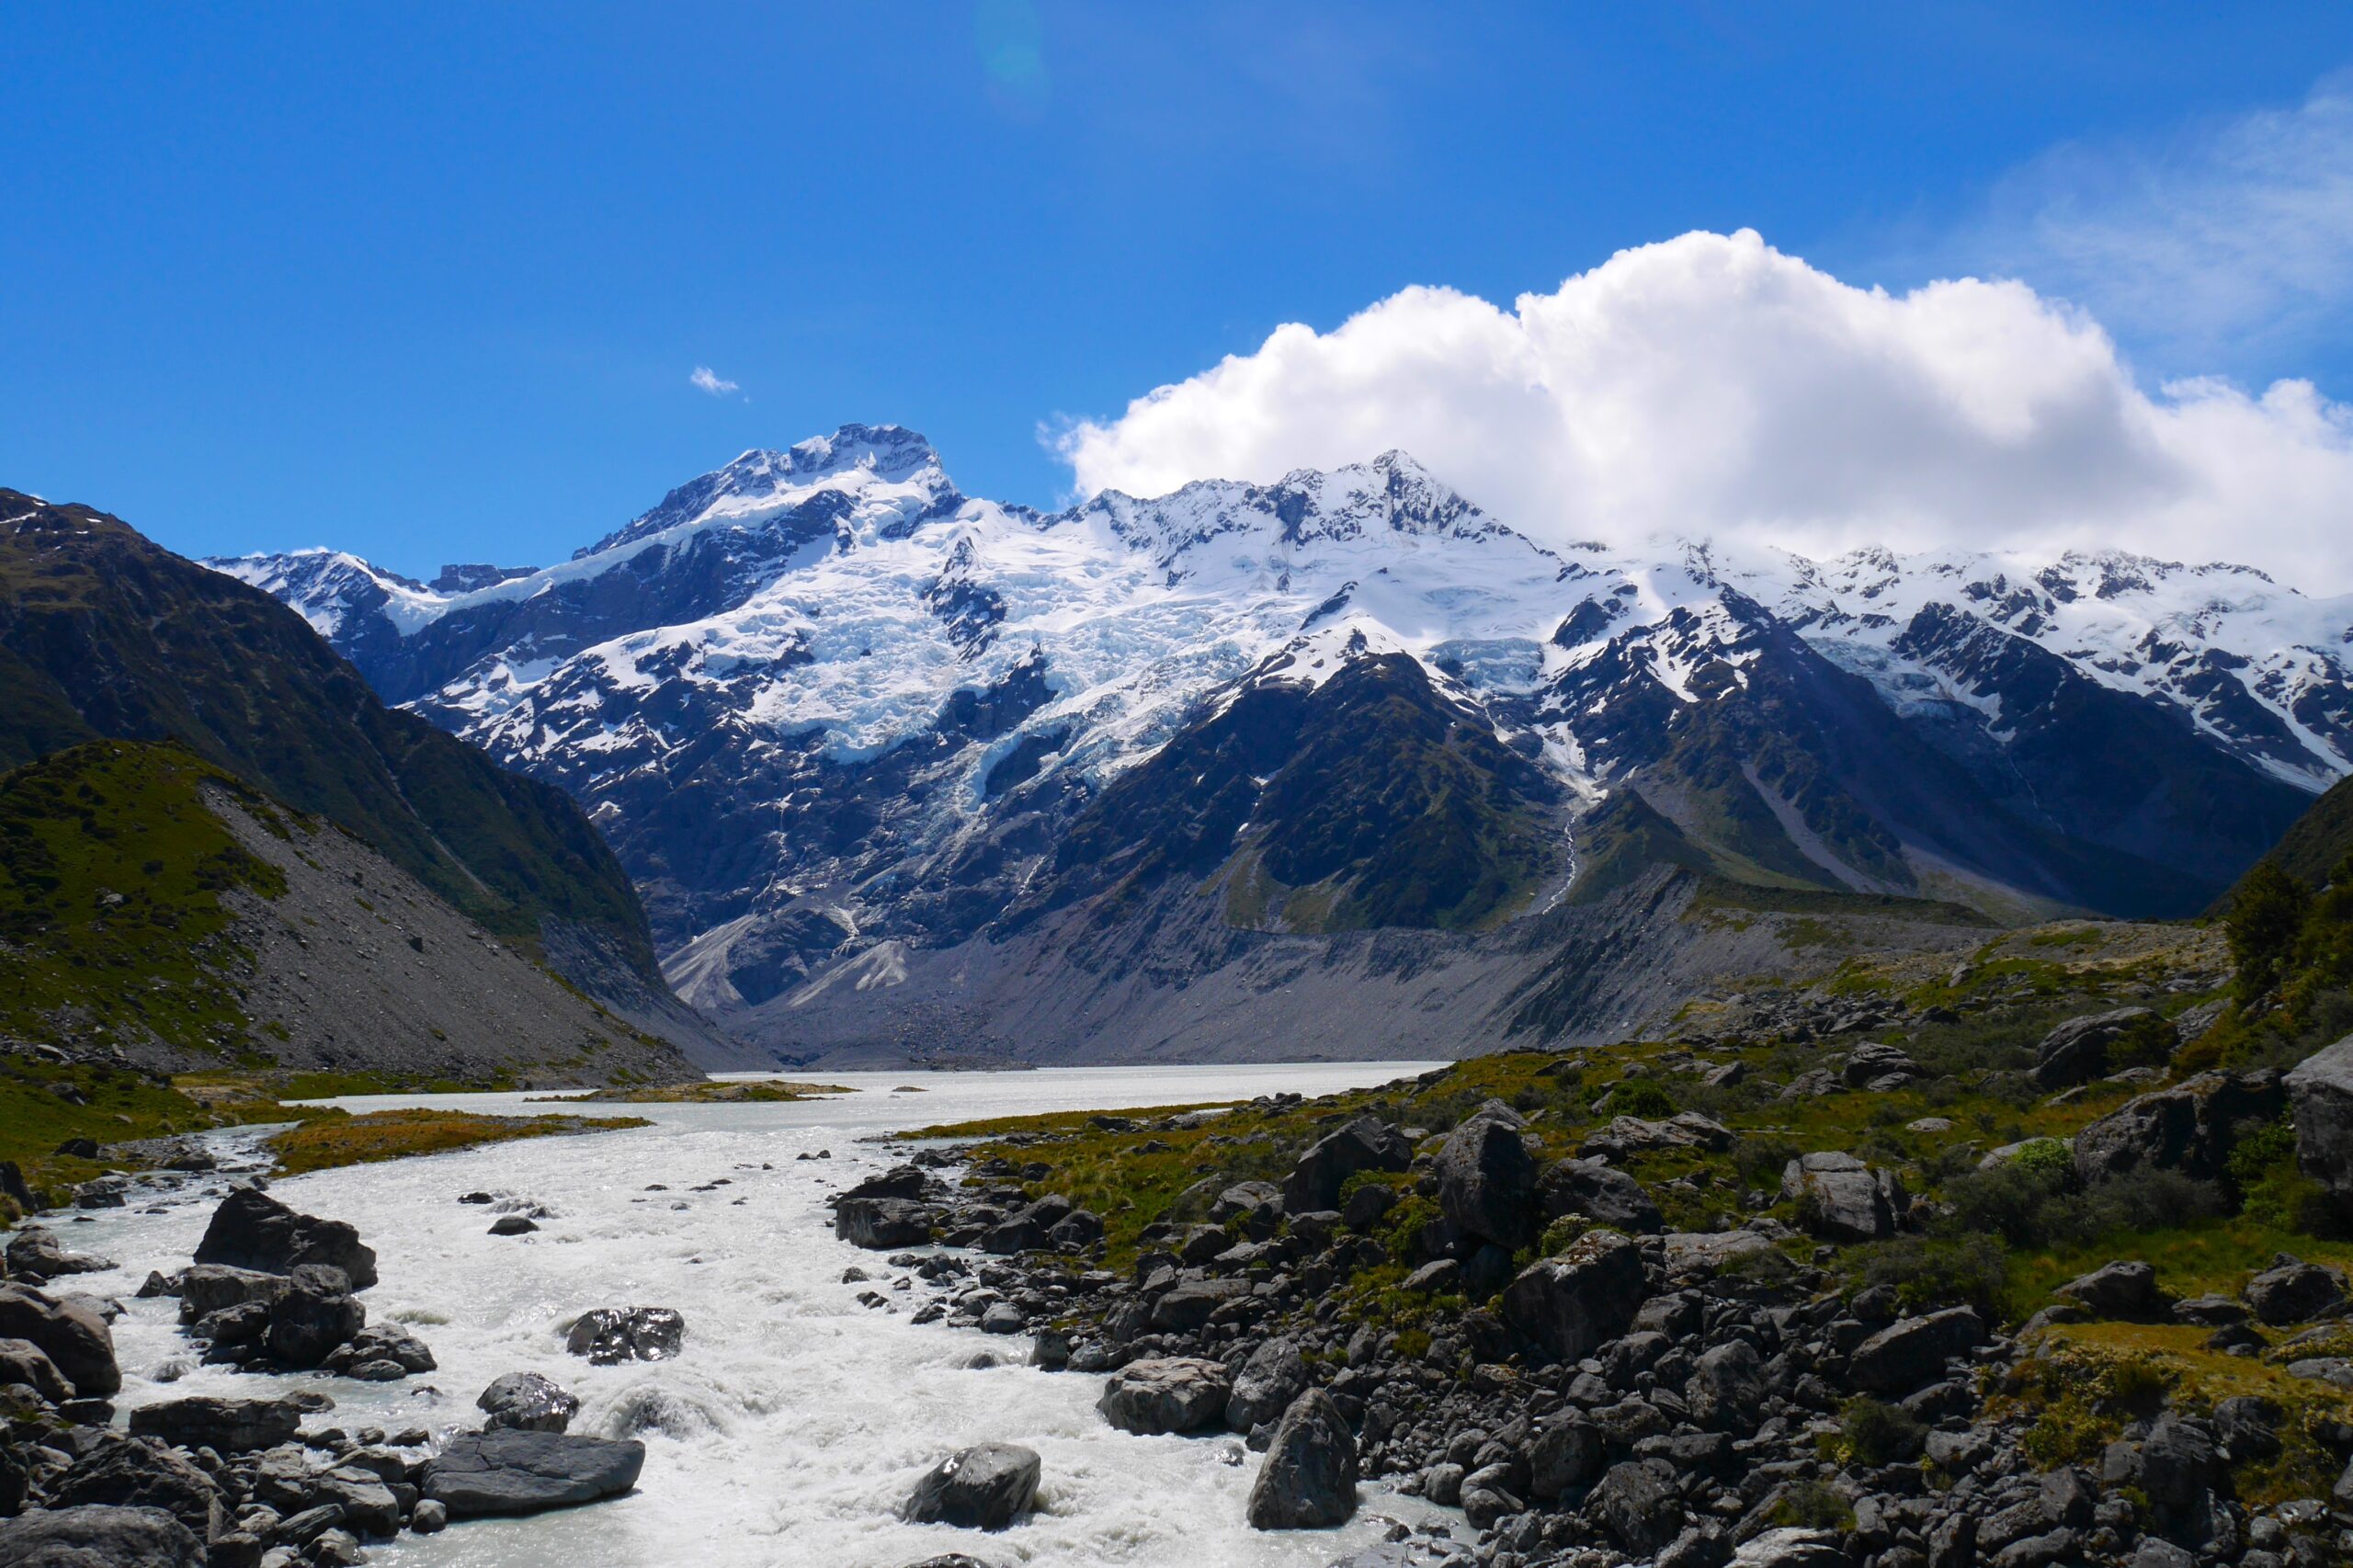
889	764
106	636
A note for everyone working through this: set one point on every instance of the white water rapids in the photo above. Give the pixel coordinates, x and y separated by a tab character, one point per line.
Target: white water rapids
795	1421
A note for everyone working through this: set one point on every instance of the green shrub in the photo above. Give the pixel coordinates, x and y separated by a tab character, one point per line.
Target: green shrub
1929	1272
1878	1434
1643	1097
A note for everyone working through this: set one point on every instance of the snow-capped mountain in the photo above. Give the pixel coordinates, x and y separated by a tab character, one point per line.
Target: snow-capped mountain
834	713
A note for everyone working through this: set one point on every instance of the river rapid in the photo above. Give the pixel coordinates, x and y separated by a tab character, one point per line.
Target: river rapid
795	1421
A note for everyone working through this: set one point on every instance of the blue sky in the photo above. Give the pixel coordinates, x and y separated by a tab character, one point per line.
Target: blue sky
430	283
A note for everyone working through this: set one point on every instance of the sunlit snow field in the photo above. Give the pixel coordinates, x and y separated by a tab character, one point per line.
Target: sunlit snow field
796	1420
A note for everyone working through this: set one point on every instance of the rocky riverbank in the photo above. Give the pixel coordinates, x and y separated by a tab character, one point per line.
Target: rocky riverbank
1613	1326
267	1481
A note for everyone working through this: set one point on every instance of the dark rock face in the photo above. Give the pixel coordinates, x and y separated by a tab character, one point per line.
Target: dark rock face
2185	1129
224	1426
2320	1093
74	1338
1367	1144
610	1334
100	1537
983	1488
209	1287
1841	1199
882	1225
1486	1182
2125	1290
35	1250
2077	1051
2293	1291
253	1230
122	1472
22	1361
1637	1501
1268	1382
1566	1455
1181	1393
484	1474
1309	1478
1906	1354
1602	1193
1569	1305
313	1317
526	1402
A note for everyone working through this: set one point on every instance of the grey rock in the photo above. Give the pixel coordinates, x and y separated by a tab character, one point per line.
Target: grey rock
209	1287
253	1230
1486	1182
1908	1353
984	1488
2187	1127
1570	1305
2320	1097
1727	1385
2076	1052
609	1335
1607	1196
528	1403
2293	1291
1365	1143
483	1474
2121	1290
882	1225
314	1316
1177	1393
1637	1501
73	1336
1274	1376
22	1361
100	1537
35	1249
1190	1305
139	1473
224	1426
513	1225
1308	1480
1841	1199
1790	1547
1566	1454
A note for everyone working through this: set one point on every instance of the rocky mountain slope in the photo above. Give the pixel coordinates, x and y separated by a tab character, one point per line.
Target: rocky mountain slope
159	912
847	726
105	634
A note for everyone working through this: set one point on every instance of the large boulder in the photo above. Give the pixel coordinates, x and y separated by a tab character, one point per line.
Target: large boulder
35	1249
316	1315
1367	1144
1568	1305
100	1537
526	1402
1565	1456
1638	1502
2077	1051
1308	1481
1841	1199
70	1333
2293	1291
882	1225
1028	1228
209	1287
2125	1290
983	1488
506	1471
2320	1095
22	1361
1906	1354
1177	1393
139	1473
1275	1375
1486	1182
224	1426
612	1334
253	1230
2187	1127
1602	1194
1727	1386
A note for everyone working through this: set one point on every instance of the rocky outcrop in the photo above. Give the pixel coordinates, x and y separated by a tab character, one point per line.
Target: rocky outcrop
2078	1050
1567	1305
1309	1478
74	1338
2320	1095
1171	1395
983	1488
507	1471
224	1426
2293	1291
2123	1290
100	1537
1269	1380
1906	1354
882	1225
253	1230
1841	1199
1486	1181
1602	1194
2188	1128
1365	1143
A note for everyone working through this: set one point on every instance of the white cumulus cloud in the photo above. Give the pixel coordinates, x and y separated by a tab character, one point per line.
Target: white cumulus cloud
1712	386
710	380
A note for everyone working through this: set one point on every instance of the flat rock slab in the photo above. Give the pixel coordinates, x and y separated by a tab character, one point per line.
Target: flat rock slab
507	1471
